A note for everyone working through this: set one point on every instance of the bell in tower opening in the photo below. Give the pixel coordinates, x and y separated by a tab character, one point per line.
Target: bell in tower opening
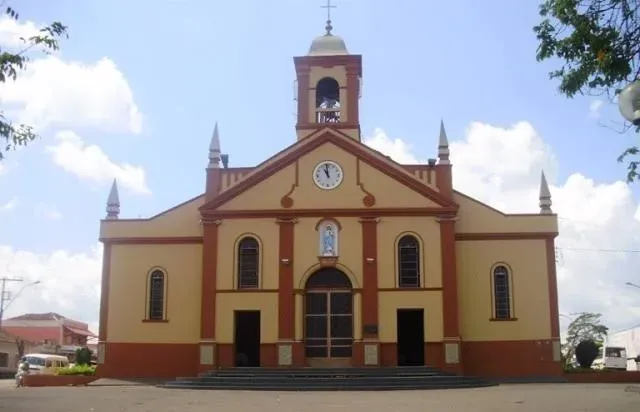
327	101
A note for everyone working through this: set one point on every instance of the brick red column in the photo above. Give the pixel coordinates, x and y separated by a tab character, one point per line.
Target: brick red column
368	353
285	283
286	298
452	350
208	352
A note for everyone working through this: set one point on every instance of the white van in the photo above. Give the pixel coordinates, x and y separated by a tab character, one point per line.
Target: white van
615	357
41	363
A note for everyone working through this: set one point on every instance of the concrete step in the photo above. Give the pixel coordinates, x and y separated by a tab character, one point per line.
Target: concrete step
302	379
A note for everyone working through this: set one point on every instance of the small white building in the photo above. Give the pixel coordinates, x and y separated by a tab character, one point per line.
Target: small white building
629	339
9	353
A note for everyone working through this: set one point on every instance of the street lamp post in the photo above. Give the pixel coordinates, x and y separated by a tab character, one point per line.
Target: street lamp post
629	102
5	297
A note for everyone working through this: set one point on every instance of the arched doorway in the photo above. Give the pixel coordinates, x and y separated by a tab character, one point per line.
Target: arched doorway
328	326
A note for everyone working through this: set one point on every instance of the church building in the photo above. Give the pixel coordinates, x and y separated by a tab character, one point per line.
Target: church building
329	254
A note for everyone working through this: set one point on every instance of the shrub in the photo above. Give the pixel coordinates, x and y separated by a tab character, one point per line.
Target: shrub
83	356
77	370
586	352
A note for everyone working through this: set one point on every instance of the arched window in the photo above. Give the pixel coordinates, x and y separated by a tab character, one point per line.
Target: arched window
408	262
156	295
248	263
327	101
501	293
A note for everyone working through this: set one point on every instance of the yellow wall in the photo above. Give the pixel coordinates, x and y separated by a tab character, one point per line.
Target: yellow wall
229	234
267	194
307	249
266	303
529	285
476	217
427	230
390	302
130	266
183	221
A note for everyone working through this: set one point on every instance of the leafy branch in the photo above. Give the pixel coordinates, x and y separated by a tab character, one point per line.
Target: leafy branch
598	42
11	64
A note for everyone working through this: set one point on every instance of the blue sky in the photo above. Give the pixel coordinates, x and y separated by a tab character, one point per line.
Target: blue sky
191	63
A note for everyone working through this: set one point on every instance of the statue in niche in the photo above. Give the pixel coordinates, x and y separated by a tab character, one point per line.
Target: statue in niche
328	240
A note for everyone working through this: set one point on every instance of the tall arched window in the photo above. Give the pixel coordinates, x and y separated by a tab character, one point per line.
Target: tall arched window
156	295
248	263
501	293
408	262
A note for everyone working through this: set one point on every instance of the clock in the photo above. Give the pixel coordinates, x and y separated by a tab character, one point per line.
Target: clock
327	175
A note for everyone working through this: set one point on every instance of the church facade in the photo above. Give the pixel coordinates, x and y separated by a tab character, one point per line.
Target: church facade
329	254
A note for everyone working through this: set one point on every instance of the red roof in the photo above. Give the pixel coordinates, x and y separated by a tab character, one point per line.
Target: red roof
82	332
34	334
39	316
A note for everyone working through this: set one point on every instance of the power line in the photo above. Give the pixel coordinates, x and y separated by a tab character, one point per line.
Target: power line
5	295
577	249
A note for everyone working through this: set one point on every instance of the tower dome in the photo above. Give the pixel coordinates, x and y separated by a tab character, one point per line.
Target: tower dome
328	45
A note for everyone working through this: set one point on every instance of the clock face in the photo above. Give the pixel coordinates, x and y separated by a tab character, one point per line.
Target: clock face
327	175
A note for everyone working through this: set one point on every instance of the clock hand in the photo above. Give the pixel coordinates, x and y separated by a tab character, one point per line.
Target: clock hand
326	170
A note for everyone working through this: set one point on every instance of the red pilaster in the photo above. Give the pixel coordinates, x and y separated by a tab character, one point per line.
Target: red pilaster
286	297
450	295
369	275
208	350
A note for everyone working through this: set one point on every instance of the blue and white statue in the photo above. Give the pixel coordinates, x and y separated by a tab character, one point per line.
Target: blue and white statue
328	239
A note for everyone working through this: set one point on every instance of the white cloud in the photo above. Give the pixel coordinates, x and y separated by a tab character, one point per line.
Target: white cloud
595	107
90	163
46	211
9	205
501	166
52	92
12	32
69	283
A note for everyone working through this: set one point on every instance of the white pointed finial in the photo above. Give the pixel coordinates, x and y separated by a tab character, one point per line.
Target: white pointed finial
214	149
545	196
443	146
113	202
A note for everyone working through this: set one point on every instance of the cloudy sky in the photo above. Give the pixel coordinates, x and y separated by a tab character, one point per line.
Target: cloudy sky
135	91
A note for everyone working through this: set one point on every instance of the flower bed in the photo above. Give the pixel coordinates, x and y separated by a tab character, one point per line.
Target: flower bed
601	376
79	375
57	380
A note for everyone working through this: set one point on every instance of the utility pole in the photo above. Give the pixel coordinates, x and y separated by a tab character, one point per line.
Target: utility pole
5	295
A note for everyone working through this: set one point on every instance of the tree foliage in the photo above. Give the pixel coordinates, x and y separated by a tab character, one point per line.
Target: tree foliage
83	356
598	42
585	327
586	352
46	40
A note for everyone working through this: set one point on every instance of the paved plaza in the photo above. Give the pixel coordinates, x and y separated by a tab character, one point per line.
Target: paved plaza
521	398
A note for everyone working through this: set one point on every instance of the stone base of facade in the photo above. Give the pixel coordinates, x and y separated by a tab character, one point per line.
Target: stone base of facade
483	359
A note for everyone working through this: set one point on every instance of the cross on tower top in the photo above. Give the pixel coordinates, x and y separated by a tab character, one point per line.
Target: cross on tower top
329	6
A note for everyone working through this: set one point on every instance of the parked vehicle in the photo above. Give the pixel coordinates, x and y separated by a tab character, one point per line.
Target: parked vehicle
615	357
42	363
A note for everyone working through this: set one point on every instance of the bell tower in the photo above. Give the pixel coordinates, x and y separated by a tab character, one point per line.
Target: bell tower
328	82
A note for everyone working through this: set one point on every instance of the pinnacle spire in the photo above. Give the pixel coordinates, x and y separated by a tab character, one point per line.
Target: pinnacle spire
545	196
443	146
214	149
113	202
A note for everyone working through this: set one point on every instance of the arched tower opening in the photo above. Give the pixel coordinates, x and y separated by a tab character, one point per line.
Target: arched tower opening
327	100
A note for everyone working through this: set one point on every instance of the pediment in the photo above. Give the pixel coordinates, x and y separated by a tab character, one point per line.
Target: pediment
371	180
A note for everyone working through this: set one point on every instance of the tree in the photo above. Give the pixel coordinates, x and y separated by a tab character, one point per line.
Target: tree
46	40
586	352
599	44
83	356
586	326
